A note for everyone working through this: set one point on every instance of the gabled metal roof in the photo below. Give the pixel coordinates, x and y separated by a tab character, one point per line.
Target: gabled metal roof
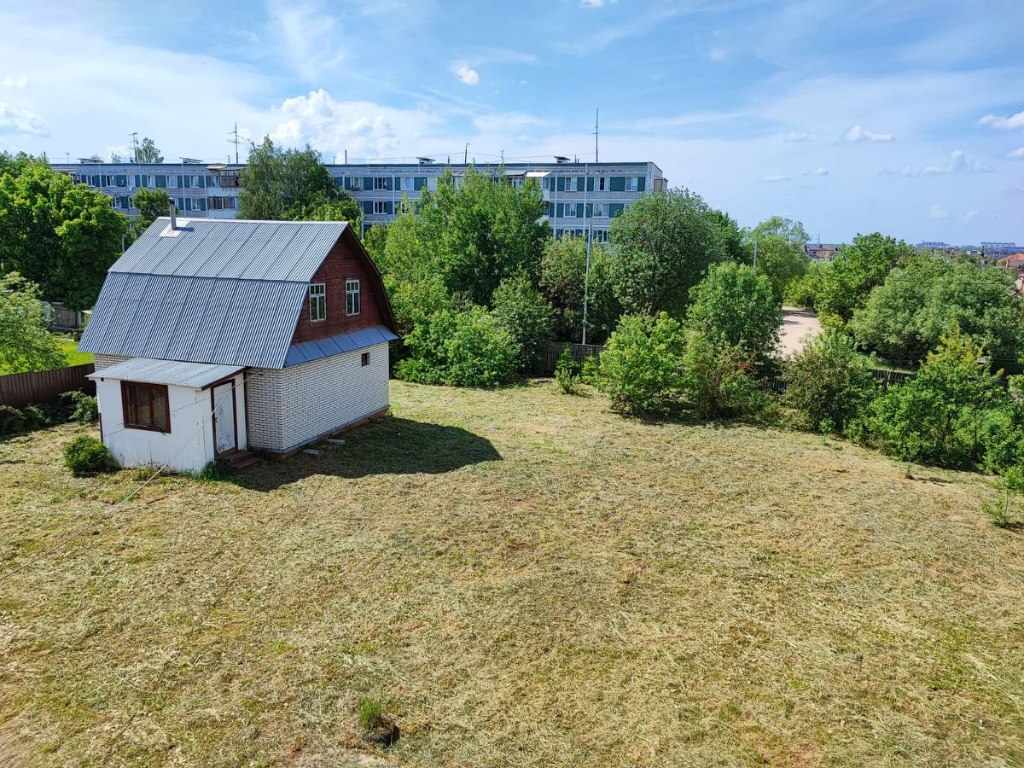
232	248
342	342
194	375
195	319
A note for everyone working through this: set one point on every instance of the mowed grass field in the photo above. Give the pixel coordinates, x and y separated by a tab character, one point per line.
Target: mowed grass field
523	579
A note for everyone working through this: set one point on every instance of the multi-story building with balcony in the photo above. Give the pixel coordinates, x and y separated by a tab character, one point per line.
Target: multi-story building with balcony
579	196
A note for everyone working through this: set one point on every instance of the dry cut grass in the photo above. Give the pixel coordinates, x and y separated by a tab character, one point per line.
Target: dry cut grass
518	578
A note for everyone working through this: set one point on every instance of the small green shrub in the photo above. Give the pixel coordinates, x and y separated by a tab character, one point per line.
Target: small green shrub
642	364
462	349
87	455
717	378
12	420
85	408
214	472
566	371
371	715
937	417
527	317
35	417
828	384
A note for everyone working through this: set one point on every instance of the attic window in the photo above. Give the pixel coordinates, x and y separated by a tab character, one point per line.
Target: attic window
351	297
317	302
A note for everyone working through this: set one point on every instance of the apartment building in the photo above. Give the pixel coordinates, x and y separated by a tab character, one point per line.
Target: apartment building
579	196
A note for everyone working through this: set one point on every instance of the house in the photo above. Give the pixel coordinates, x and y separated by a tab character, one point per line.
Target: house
821	251
213	337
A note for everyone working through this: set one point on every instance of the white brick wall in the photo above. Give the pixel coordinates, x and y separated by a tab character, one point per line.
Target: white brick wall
105	361
294	406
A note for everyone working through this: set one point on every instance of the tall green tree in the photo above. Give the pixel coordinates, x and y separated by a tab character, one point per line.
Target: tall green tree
25	344
734	307
929	297
780	251
663	245
563	278
148	152
151	204
481	231
844	283
291	185
60	235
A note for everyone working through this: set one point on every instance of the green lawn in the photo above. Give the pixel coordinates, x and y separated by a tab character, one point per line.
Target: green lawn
70	349
522	578
74	357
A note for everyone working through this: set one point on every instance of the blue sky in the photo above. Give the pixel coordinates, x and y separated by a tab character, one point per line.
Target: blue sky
904	116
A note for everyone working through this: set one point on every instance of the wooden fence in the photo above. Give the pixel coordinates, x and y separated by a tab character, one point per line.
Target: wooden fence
20	389
580	352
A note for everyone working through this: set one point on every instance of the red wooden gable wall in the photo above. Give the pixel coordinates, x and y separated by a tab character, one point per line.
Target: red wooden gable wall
346	261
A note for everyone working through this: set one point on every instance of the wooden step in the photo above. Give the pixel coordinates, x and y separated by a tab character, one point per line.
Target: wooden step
238	459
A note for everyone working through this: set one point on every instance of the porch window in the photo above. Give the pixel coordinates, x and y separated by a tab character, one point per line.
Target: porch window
146	406
351	297
317	302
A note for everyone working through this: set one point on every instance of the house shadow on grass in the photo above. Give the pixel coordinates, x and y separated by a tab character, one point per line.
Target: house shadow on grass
388	446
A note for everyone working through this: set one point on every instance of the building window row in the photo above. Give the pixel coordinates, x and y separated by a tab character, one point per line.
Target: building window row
595	183
151	180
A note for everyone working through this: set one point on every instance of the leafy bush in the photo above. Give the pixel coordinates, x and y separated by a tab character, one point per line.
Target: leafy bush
641	366
526	316
464	349
565	371
12	420
732	307
937	417
86	455
828	383
85	409
717	378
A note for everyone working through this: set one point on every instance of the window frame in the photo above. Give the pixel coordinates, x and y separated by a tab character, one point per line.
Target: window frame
353	299
126	398
317	299
364	360
380	183
380	207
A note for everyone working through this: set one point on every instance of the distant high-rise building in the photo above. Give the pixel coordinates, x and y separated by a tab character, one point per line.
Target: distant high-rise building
579	196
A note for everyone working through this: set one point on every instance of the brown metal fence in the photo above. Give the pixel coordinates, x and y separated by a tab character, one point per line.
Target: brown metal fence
21	389
580	352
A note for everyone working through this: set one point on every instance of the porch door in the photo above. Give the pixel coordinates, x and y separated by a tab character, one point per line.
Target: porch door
224	432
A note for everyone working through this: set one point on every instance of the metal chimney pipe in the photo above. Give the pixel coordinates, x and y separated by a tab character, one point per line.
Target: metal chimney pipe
174	219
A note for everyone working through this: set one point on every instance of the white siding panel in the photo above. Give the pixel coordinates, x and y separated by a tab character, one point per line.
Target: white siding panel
290	407
188	447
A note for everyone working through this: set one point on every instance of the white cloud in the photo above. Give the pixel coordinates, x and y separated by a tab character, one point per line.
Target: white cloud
363	128
1003	123
821	170
773	178
796	136
858	133
13	120
938	212
467	74
969	216
14	82
592	3
958	163
1017	154
308	36
717	54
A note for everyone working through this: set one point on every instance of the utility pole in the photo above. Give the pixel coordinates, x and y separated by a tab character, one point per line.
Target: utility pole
135	144
236	141
587	224
465	157
596	115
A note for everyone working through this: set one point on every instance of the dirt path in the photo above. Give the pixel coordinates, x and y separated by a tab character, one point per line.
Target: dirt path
798	327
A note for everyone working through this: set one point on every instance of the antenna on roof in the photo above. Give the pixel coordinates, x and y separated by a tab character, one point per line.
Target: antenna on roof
236	141
596	113
135	144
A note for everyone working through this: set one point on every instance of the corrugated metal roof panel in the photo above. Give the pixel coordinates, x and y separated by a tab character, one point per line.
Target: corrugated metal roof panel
342	342
174	372
230	248
195	319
